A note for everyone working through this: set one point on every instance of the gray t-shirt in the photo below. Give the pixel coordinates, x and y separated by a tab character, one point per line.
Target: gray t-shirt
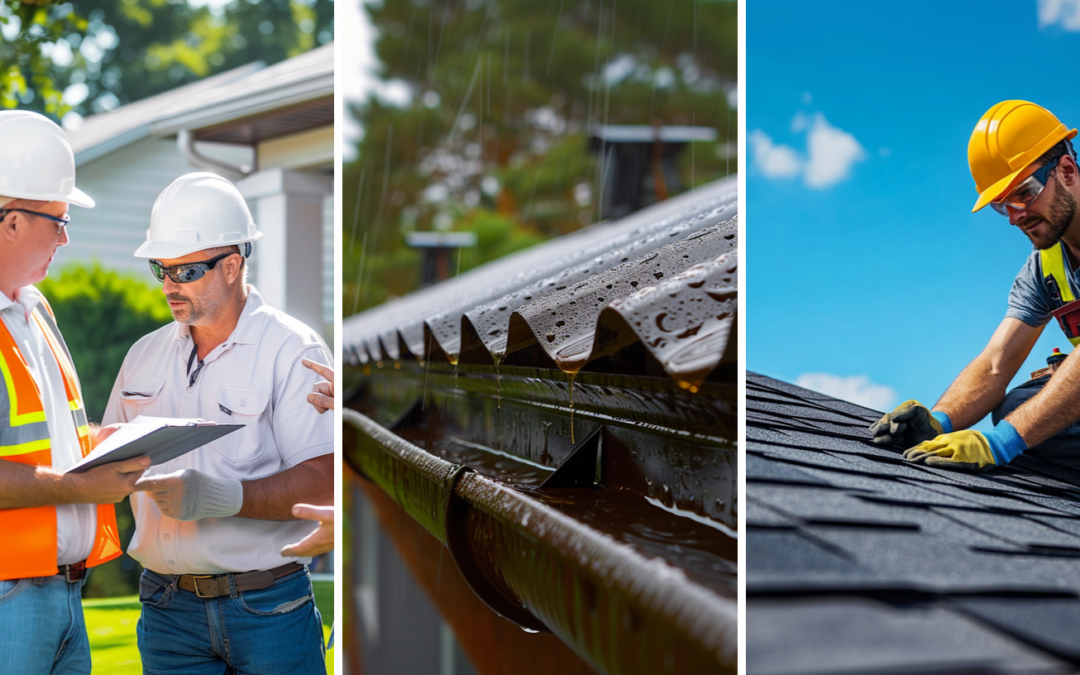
1029	299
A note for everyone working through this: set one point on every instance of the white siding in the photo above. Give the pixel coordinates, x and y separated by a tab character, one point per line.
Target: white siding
125	184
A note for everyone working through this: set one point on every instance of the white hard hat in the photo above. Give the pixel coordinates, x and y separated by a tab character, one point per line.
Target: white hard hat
197	211
37	160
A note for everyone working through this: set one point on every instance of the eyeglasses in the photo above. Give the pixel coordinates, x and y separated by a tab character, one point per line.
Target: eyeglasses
1026	192
188	272
61	221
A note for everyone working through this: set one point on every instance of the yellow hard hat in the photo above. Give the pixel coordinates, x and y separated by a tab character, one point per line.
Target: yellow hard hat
1008	138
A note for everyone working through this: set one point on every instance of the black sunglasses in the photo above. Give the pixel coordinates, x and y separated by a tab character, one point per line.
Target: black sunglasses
188	272
60	220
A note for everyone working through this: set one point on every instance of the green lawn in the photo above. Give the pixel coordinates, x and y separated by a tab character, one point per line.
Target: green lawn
111	625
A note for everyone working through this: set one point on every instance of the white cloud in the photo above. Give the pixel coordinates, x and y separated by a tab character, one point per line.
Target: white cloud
832	152
800	122
1065	13
775	161
856	389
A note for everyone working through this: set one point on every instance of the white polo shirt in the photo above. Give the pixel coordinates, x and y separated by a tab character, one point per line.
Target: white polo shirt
254	378
75	523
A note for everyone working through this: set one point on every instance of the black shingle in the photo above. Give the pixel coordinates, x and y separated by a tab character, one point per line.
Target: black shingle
859	561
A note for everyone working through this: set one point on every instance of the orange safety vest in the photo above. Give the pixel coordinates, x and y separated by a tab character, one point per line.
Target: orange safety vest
28	536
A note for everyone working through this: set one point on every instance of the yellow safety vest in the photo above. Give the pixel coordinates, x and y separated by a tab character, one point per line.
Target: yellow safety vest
28	536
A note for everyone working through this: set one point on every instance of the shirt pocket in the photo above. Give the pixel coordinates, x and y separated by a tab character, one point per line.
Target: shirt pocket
142	398
247	407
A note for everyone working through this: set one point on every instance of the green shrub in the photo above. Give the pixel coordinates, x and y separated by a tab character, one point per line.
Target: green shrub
101	314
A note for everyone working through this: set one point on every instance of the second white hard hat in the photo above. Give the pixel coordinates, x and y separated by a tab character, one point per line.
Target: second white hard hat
196	212
37	160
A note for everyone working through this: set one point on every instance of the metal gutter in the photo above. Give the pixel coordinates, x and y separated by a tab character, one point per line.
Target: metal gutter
618	609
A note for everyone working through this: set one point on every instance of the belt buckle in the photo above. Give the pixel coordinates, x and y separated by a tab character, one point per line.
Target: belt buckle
75	572
195	580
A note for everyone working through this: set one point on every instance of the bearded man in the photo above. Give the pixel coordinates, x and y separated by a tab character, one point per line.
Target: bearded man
1025	168
218	593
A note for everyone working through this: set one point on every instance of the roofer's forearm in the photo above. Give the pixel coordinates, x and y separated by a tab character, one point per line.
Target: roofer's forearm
981	386
272	498
1052	409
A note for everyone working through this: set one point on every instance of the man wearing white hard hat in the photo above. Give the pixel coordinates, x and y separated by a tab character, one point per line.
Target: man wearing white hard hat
217	592
53	525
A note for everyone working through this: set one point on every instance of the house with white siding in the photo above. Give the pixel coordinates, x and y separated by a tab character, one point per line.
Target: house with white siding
269	129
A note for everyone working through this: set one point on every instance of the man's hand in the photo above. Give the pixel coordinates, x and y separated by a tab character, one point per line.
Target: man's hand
321	540
106	484
966	450
323	396
193	495
970	450
105	432
909	424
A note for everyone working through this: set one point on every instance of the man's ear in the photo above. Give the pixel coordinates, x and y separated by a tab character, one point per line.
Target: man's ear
10	228
1068	170
233	265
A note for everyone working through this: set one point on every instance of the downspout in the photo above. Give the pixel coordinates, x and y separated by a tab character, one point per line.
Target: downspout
185	141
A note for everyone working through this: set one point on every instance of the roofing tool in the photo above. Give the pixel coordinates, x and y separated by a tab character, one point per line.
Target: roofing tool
1052	363
1055	359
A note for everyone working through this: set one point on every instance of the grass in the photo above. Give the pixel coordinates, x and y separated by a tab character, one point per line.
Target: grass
110	623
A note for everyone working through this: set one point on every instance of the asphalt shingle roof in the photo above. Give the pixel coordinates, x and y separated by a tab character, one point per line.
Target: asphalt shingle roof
859	561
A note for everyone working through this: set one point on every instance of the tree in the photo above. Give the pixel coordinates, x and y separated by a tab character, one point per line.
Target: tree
90	56
495	101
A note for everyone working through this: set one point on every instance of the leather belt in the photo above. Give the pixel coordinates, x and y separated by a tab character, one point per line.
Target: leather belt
217	585
74	572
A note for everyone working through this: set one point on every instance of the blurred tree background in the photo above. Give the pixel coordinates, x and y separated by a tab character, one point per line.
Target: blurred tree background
481	120
90	56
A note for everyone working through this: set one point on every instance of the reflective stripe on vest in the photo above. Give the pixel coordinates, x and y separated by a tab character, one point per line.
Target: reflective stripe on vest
1056	278
28	536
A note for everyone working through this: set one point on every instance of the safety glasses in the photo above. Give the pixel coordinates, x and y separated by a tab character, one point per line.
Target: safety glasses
188	272
61	221
1026	192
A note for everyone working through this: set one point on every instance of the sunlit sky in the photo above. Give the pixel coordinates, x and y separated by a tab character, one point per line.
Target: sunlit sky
867	274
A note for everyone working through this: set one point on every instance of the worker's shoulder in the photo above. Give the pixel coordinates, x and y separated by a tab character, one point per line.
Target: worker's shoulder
155	340
275	326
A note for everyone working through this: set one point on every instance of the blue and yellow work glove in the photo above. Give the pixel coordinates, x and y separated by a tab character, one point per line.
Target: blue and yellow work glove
970	450
909	424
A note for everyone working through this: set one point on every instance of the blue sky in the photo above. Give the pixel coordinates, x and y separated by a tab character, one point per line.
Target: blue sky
864	262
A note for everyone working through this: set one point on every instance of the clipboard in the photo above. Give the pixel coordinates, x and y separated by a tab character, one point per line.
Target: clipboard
161	439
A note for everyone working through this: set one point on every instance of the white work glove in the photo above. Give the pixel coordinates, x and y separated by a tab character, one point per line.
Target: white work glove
193	495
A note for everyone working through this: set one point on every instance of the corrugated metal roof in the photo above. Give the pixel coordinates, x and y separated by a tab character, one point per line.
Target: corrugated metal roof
665	276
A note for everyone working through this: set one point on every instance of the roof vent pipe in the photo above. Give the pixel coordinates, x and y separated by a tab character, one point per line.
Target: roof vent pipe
185	141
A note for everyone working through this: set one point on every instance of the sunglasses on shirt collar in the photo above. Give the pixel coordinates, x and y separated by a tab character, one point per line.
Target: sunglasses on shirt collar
188	272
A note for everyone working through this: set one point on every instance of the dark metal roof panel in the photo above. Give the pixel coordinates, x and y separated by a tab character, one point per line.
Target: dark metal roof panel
473	310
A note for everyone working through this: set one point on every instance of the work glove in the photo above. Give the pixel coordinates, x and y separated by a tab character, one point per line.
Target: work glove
193	495
909	424
969	450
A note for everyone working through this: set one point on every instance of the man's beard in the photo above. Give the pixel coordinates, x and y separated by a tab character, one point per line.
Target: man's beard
1062	213
206	309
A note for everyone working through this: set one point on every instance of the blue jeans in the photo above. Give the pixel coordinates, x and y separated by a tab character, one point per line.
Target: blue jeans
275	630
41	620
1063	447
